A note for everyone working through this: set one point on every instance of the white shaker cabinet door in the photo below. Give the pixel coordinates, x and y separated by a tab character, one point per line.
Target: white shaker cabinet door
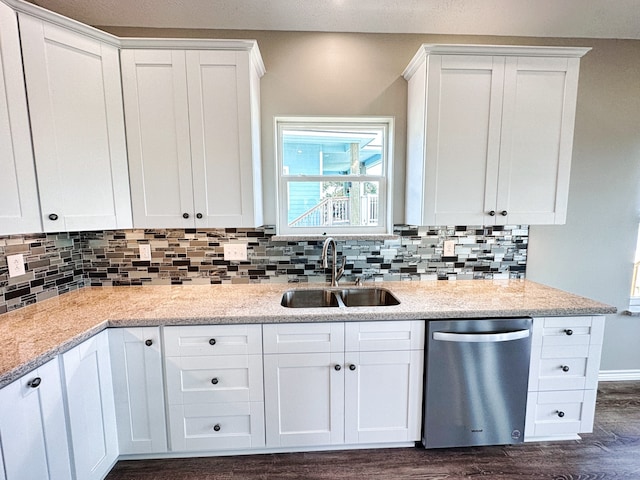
19	206
138	387
225	152
90	405
33	428
154	85
304	399
537	139
75	104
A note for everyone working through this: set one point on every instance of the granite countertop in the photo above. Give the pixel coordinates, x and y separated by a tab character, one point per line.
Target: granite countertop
33	335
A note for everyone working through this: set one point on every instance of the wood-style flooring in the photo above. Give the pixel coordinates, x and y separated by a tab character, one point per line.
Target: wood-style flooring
612	451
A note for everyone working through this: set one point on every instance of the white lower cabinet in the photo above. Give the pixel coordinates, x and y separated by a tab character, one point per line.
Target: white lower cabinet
138	387
563	376
33	433
214	387
90	407
319	393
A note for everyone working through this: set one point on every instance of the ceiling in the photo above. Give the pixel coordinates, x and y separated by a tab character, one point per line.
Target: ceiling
533	18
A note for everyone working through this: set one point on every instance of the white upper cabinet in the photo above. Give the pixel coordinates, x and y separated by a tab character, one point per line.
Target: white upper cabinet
75	106
490	134
19	208
192	119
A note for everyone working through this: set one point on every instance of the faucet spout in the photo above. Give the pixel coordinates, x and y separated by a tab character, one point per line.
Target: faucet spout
335	275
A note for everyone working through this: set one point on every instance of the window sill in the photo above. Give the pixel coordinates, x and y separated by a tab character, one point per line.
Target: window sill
364	236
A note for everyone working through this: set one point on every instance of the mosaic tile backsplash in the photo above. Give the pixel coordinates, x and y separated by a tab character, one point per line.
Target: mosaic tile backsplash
57	263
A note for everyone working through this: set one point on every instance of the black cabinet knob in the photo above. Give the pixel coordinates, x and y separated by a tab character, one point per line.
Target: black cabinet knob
53	217
352	367
212	341
565	368
185	215
492	213
568	331
560	413
35	383
504	213
214	380
198	215
216	427
148	343
337	368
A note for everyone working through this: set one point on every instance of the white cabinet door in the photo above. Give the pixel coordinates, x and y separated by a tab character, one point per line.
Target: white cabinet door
138	386
75	104
304	399
383	396
490	134
19	206
537	139
157	119
90	405
33	430
223	153
192	127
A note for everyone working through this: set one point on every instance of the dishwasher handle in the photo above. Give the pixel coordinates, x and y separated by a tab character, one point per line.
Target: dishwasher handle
481	337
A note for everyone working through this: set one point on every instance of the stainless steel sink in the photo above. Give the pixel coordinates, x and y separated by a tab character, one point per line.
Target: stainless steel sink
346	297
368	297
309	299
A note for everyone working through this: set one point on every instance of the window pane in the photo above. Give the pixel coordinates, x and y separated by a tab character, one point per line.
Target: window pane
317	151
333	204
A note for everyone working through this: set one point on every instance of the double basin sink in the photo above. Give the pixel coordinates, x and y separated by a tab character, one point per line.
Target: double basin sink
338	297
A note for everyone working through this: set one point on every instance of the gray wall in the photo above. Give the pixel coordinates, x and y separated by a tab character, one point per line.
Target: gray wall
360	74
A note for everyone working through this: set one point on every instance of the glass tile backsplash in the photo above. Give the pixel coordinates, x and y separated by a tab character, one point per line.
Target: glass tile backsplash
57	263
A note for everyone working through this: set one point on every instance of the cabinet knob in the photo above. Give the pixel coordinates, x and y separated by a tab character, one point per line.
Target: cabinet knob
185	215
53	217
565	368
492	213
212	341
560	413
214	380
568	331
337	368
352	367
35	383
198	215
504	213
216	427
148	343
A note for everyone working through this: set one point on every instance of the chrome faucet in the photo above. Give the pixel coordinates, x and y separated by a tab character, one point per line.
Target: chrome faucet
335	273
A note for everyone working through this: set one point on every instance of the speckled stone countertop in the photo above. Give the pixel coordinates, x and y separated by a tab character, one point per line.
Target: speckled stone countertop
32	335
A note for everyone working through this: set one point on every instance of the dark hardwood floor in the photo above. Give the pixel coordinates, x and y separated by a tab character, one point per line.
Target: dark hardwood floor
612	451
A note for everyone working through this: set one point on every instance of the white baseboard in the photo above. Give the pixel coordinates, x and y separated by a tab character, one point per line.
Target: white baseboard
618	375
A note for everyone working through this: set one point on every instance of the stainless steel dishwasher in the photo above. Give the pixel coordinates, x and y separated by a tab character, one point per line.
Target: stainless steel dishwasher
477	373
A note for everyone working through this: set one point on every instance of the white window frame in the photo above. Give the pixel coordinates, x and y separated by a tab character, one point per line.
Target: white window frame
385	188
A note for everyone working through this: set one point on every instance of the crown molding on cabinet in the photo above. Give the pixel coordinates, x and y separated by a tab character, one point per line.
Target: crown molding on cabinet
501	50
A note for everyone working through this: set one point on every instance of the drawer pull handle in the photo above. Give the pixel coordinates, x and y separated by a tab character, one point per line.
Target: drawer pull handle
198	215
492	213
504	213
216	427
565	368
568	331
352	367
337	368
560	413
35	383
53	217
185	215
148	343
214	380
212	341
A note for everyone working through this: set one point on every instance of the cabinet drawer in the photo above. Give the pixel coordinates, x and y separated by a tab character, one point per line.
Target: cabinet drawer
210	340
560	413
303	337
551	370
384	336
216	426
215	379
566	331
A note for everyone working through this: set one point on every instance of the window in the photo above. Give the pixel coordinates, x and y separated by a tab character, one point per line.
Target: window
334	175
635	284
